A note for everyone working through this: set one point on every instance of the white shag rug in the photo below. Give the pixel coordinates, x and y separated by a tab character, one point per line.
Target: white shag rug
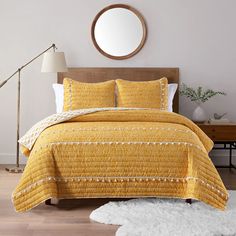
165	217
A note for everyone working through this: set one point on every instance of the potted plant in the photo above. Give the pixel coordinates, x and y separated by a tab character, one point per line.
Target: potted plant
199	96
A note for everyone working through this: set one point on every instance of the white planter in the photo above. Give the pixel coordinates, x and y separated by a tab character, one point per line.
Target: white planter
199	114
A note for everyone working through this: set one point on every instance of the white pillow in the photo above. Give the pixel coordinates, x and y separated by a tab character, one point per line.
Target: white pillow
59	96
171	93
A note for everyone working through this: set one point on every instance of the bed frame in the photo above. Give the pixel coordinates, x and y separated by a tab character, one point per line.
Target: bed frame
94	75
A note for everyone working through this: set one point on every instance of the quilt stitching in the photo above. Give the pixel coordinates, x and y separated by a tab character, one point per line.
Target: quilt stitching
119	143
120	179
30	137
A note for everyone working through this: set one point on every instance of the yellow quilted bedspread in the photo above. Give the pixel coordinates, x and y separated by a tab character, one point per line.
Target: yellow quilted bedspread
119	153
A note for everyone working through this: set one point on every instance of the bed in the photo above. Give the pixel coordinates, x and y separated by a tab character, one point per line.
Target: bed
118	153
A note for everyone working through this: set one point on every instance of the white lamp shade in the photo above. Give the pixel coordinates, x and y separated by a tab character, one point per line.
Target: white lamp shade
54	62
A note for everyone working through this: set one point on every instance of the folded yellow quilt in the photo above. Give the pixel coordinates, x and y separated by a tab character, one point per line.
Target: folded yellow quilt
99	153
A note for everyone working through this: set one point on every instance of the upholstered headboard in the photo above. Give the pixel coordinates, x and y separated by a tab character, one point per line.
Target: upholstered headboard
94	75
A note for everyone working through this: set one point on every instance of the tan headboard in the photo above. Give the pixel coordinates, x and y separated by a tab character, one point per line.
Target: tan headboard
93	75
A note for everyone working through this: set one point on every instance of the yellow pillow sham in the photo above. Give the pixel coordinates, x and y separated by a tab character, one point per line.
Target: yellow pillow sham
78	95
145	94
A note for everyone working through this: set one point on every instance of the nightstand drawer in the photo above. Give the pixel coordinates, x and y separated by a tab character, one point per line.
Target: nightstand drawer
219	132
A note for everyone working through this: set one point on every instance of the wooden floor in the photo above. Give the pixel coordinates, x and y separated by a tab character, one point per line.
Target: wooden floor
69	217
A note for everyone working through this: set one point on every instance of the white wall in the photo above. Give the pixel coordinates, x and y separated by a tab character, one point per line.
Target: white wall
198	36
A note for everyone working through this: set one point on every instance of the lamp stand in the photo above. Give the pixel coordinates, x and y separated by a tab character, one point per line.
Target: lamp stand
60	66
17	168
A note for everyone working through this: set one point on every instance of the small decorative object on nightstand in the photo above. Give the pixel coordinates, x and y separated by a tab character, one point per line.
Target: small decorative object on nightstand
218	119
224	134
53	62
198	96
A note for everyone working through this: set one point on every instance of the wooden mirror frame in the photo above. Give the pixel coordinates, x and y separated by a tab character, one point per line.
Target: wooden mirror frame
137	13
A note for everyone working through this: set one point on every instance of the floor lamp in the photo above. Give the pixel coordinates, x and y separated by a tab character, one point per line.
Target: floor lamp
52	62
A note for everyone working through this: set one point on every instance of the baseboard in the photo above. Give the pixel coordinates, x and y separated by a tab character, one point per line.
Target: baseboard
6	158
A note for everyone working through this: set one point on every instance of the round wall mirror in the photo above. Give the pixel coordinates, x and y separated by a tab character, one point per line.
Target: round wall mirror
119	31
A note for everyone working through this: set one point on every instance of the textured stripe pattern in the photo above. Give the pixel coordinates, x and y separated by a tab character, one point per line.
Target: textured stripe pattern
30	137
121	180
132	94
78	95
120	153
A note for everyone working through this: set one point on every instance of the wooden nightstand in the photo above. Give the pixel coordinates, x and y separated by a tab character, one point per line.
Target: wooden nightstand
224	134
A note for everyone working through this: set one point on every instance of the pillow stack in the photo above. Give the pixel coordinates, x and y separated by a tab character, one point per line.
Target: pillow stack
73	95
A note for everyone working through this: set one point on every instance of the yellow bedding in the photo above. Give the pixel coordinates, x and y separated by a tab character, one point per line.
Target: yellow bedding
118	153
